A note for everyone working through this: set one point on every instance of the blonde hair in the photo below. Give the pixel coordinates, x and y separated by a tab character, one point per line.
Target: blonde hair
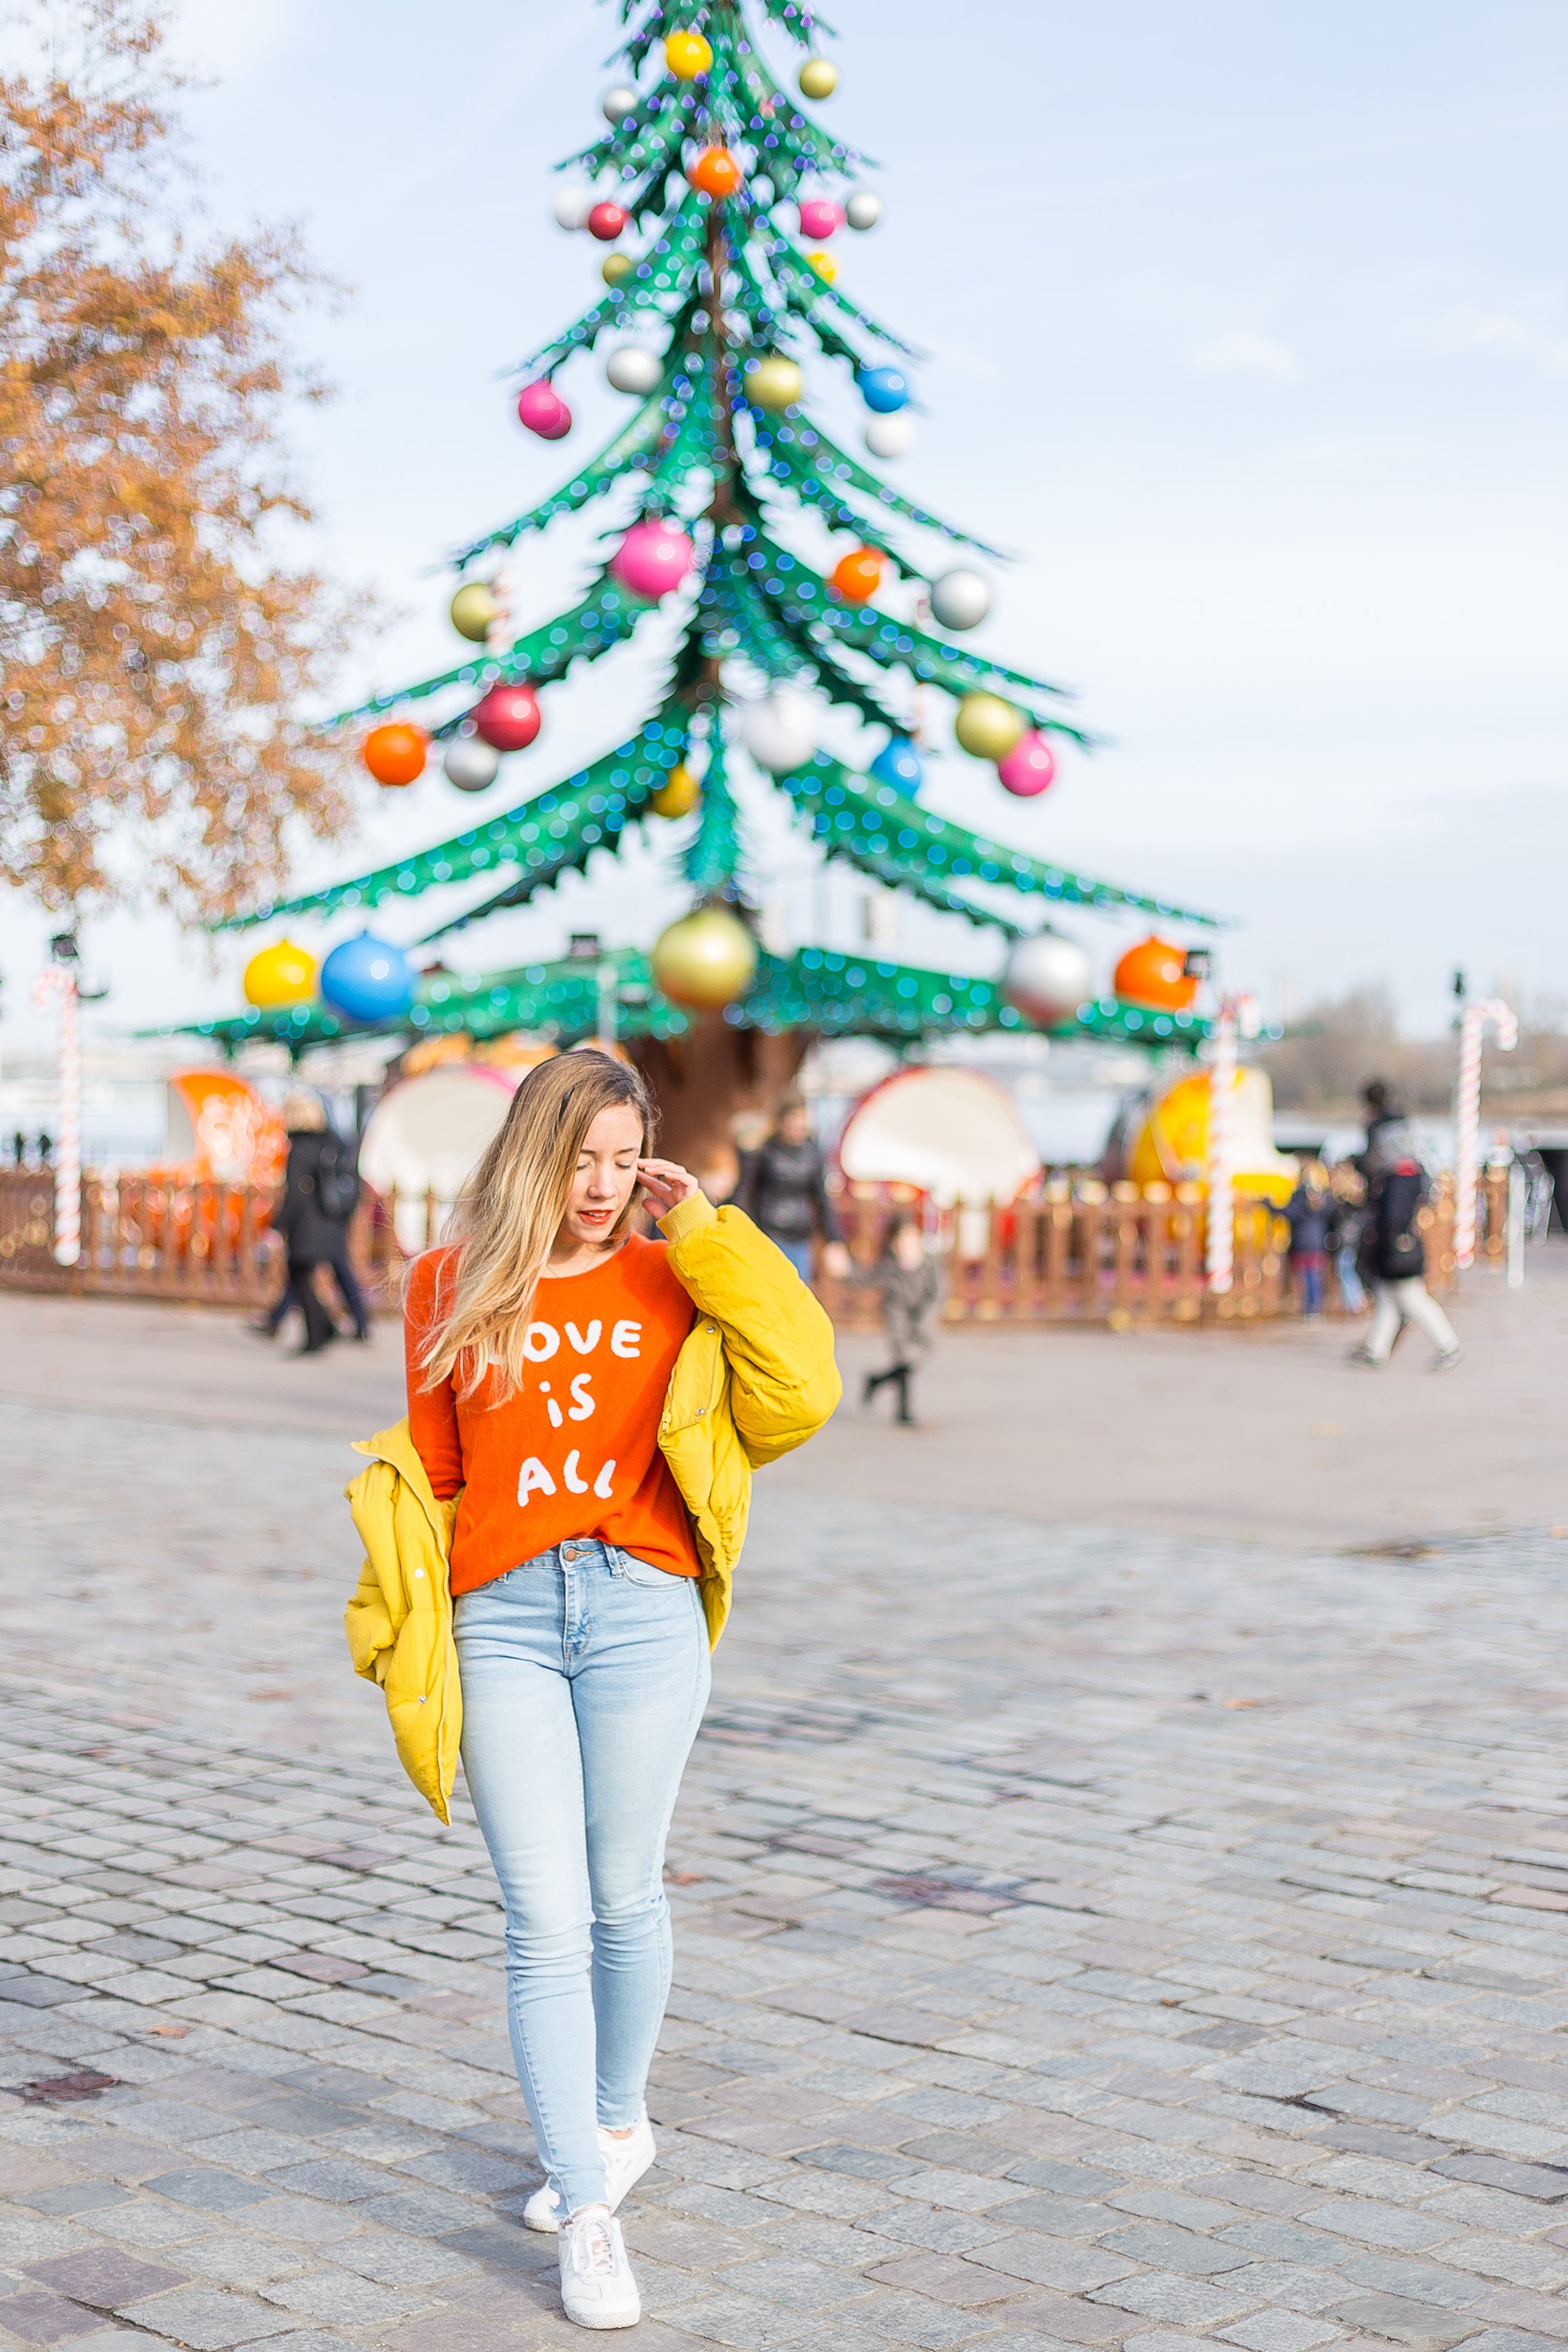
509	1212
305	1111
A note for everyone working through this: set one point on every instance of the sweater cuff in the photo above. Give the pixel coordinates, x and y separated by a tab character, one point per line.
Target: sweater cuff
688	1216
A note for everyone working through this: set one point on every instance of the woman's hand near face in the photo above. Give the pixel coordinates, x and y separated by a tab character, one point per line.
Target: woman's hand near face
664	1184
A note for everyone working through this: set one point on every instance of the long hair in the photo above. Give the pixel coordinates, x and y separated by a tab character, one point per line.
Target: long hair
509	1212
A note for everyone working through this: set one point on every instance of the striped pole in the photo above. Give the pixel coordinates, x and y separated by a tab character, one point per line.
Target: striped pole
1219	1257
1487	1012
59	982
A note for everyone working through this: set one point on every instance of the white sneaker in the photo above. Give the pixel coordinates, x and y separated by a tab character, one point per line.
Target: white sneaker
626	2161
597	2289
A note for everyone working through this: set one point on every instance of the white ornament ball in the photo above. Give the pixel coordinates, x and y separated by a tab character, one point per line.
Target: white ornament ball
761	191
572	206
863	210
619	100
960	599
1046	978
634	369
780	733
470	763
891	436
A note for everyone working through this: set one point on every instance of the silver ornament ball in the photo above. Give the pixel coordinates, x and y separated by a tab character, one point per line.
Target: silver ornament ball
619	100
890	436
633	368
780	732
571	207
470	764
960	599
1047	977
863	210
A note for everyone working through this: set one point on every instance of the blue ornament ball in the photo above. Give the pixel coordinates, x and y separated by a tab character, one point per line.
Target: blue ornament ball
900	765
367	978
884	389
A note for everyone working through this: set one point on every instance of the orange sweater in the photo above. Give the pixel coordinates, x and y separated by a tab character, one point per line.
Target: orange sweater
574	1451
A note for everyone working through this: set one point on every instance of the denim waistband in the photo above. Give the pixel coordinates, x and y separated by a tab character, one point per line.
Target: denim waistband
577	1552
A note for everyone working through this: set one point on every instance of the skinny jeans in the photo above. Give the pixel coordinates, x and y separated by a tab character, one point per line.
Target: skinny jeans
585	1674
1395	1304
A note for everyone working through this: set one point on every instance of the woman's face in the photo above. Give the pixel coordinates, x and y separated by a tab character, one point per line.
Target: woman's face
605	1176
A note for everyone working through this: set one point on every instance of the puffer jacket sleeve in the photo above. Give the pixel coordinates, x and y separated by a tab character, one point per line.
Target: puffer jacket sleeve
378	1606
778	1340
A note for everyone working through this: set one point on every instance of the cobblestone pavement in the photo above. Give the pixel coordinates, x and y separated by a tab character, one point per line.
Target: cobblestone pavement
1082	1937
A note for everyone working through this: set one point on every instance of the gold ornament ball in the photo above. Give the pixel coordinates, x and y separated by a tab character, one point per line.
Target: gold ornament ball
773	383
986	726
686	54
825	266
280	975
617	267
678	795
818	78
705	961
472	609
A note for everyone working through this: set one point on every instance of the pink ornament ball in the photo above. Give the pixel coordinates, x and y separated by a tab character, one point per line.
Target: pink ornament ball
1029	766
653	558
605	222
507	718
541	407
819	218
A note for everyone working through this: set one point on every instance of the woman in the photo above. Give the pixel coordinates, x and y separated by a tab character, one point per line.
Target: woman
784	1186
321	1190
597	1494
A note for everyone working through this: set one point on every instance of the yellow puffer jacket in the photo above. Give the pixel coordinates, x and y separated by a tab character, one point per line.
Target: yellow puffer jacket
755	1378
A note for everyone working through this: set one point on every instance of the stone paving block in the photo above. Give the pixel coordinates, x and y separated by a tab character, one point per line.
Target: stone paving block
205	2319
1275	2331
1051	2262
1406	2322
959	2282
1161	2295
341	2298
104	2276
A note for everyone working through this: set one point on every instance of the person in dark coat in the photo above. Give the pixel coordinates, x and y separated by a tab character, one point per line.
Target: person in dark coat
1309	1212
1394	1254
909	1280
320	1190
783	1188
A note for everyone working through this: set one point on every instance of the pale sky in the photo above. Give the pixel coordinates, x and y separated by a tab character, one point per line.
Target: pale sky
1249	331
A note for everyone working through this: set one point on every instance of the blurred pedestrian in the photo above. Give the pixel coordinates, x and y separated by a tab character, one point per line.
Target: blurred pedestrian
784	1189
1382	1110
320	1192
1307	1213
911	1283
1394	1254
1347	1221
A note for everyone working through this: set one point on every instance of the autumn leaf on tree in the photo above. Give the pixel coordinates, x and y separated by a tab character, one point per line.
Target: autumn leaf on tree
156	641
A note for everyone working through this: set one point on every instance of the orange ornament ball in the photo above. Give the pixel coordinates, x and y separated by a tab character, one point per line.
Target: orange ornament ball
716	172
1154	972
858	575
395	754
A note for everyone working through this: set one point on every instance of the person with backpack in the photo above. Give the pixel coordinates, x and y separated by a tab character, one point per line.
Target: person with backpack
320	1192
1394	1255
783	1187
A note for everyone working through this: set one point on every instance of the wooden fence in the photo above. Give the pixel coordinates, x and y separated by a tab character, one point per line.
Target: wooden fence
1084	1251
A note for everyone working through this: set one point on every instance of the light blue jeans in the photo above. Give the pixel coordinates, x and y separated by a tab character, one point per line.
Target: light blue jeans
585	1674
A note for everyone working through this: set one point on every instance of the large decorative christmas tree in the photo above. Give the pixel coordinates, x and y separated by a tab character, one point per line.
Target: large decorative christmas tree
719	207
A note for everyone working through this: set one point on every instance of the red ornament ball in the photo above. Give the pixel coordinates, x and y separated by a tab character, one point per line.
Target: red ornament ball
395	754
820	218
1029	767
605	222
507	718
541	407
858	575
715	173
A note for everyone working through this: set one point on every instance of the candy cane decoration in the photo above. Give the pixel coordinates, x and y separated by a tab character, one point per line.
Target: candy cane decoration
1219	1258
1488	1013
59	982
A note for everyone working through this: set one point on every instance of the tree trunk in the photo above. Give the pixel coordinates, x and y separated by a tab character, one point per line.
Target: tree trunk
705	1083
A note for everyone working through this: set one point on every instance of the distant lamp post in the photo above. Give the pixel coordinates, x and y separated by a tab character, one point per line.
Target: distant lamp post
57	984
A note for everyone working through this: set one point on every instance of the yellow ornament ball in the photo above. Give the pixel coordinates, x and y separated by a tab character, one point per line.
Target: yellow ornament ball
818	78
986	726
678	795
617	267
773	383
280	975
472	610
705	961
688	55
825	266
